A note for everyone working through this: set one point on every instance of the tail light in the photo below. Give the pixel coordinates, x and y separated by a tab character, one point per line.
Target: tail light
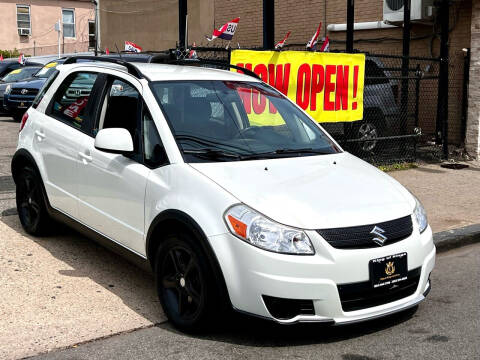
24	121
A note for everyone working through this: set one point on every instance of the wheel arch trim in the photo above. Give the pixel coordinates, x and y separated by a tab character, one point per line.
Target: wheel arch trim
187	221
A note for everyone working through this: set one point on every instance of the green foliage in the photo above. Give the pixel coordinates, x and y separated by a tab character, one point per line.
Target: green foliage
10	53
398	166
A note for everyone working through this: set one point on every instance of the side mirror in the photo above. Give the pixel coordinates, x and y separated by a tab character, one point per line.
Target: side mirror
114	140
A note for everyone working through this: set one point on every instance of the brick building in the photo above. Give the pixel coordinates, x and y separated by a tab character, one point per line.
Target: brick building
136	20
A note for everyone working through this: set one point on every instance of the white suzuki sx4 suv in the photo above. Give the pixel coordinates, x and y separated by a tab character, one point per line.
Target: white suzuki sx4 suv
180	168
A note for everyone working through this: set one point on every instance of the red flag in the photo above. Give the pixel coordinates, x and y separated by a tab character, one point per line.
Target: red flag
192	54
21	59
313	41
326	45
107	51
1	57
281	43
130	46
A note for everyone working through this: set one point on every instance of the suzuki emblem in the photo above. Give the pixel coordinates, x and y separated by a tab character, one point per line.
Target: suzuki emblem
379	239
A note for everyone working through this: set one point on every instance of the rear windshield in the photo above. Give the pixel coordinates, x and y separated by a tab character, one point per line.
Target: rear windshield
20	74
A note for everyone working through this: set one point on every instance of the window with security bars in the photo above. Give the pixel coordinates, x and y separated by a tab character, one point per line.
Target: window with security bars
91	34
23	18
68	21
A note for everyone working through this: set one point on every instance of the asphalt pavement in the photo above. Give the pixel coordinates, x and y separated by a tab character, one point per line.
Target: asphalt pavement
445	326
66	292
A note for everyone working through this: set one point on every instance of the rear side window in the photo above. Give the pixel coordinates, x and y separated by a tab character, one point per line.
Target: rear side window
44	89
70	102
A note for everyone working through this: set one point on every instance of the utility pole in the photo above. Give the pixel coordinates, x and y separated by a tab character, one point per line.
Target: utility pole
350	23
268	24
58	29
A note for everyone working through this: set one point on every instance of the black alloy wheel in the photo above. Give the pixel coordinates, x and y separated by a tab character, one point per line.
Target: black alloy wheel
30	204
184	283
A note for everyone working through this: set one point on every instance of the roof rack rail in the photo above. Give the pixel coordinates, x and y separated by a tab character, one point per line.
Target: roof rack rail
132	69
200	62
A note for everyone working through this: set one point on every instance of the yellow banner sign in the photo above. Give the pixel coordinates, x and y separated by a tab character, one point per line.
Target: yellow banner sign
328	86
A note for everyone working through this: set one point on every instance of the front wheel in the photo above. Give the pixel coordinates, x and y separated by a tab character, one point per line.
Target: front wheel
185	284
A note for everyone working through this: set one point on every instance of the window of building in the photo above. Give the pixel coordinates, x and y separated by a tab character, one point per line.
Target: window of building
23	19
68	20
91	34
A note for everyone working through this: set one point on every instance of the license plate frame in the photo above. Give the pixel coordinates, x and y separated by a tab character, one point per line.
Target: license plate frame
388	270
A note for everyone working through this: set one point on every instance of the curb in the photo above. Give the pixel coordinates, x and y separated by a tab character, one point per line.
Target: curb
450	239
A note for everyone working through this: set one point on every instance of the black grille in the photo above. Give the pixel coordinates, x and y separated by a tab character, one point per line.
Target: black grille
281	308
362	295
360	237
29	92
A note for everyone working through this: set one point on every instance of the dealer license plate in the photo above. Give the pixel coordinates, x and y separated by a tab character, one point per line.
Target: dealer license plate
388	270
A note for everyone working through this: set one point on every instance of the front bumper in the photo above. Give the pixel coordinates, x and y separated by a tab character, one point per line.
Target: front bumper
17	105
251	273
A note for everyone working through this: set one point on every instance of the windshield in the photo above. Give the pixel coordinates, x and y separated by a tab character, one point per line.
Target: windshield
20	74
47	70
228	120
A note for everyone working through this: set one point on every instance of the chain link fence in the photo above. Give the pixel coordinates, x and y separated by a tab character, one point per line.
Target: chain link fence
400	106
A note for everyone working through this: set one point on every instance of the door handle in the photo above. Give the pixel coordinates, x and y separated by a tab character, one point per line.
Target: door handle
40	135
86	157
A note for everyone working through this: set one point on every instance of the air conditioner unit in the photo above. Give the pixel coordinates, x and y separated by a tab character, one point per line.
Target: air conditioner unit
421	10
23	32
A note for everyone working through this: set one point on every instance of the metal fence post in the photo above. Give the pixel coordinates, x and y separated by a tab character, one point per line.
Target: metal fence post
350	23
442	106
268	24
405	66
182	19
466	80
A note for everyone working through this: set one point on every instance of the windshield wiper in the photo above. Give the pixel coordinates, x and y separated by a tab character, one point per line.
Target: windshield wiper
301	151
212	153
279	152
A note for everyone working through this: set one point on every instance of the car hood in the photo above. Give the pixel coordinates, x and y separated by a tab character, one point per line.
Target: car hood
32	83
313	192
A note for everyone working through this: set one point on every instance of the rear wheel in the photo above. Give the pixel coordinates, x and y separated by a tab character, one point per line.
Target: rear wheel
30	203
185	283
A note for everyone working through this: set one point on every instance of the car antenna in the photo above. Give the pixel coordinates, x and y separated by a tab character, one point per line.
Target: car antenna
118	51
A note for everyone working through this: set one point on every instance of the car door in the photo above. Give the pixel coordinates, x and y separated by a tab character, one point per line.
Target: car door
56	140
112	187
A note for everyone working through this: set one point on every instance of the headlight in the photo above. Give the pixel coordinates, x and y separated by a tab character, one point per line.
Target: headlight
420	215
264	233
8	89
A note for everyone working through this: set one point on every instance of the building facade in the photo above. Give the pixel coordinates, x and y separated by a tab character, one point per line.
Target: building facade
152	24
29	26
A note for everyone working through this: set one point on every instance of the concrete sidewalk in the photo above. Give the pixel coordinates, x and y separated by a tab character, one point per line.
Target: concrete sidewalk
451	197
62	290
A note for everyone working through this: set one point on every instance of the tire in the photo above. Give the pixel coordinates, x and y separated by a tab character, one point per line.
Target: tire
185	284
31	206
17	116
